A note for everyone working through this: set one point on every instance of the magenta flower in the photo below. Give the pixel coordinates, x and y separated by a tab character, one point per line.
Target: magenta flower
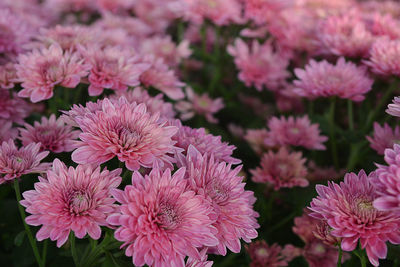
232	204
384	57
384	137
348	209
295	132
13	109
125	130
51	133
281	169
111	68
41	70
71	199
262	254
204	143
7	131
259	65
199	104
161	221
261	11
394	108
322	79
16	162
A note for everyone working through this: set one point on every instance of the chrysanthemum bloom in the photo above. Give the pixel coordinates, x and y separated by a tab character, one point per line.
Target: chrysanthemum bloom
165	48
281	169
16	162
127	131
220	12
13	108
71	199
7	131
154	104
387	181
162	78
111	68
51	133
260	10
203	262
384	57
383	137
41	70
199	104
262	254
322	79
203	142
294	131
348	209
344	35
320	244
233	205
76	111
288	101
114	6
259	65
394	108
383	25
8	76
255	138
161	221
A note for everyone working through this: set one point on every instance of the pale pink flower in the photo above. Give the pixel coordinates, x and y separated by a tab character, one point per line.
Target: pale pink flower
51	133
296	132
71	199
384	57
162	78
259	65
262	254
348	209
112	68
199	104
7	131
163	47
394	108
255	138
8	76
322	79
14	108
16	162
281	169
161	221
41	70
383	137
69	117
203	142
344	35
154	104
233	205
125	130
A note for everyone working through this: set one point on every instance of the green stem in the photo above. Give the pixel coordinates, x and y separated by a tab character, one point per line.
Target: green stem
73	248
363	260
44	252
32	241
339	262
332	136
350	114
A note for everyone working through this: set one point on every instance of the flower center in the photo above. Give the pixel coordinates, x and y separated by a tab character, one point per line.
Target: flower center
262	252
168	217
79	202
217	191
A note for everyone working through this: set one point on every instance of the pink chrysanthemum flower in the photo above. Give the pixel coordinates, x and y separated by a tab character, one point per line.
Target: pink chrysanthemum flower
383	25
259	65
76	111
344	35
384	57
7	131
112	68
161	221
281	169
394	108
165	48
384	137
255	138
294	131
233	205
8	76
199	104
203	142
262	254
348	209
16	162
322	79
127	131
387	181
162	78
71	199
154	104
203	262
41	70
51	133
261	11
14	108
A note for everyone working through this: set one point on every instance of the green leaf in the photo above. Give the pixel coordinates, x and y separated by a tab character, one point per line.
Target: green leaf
19	238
